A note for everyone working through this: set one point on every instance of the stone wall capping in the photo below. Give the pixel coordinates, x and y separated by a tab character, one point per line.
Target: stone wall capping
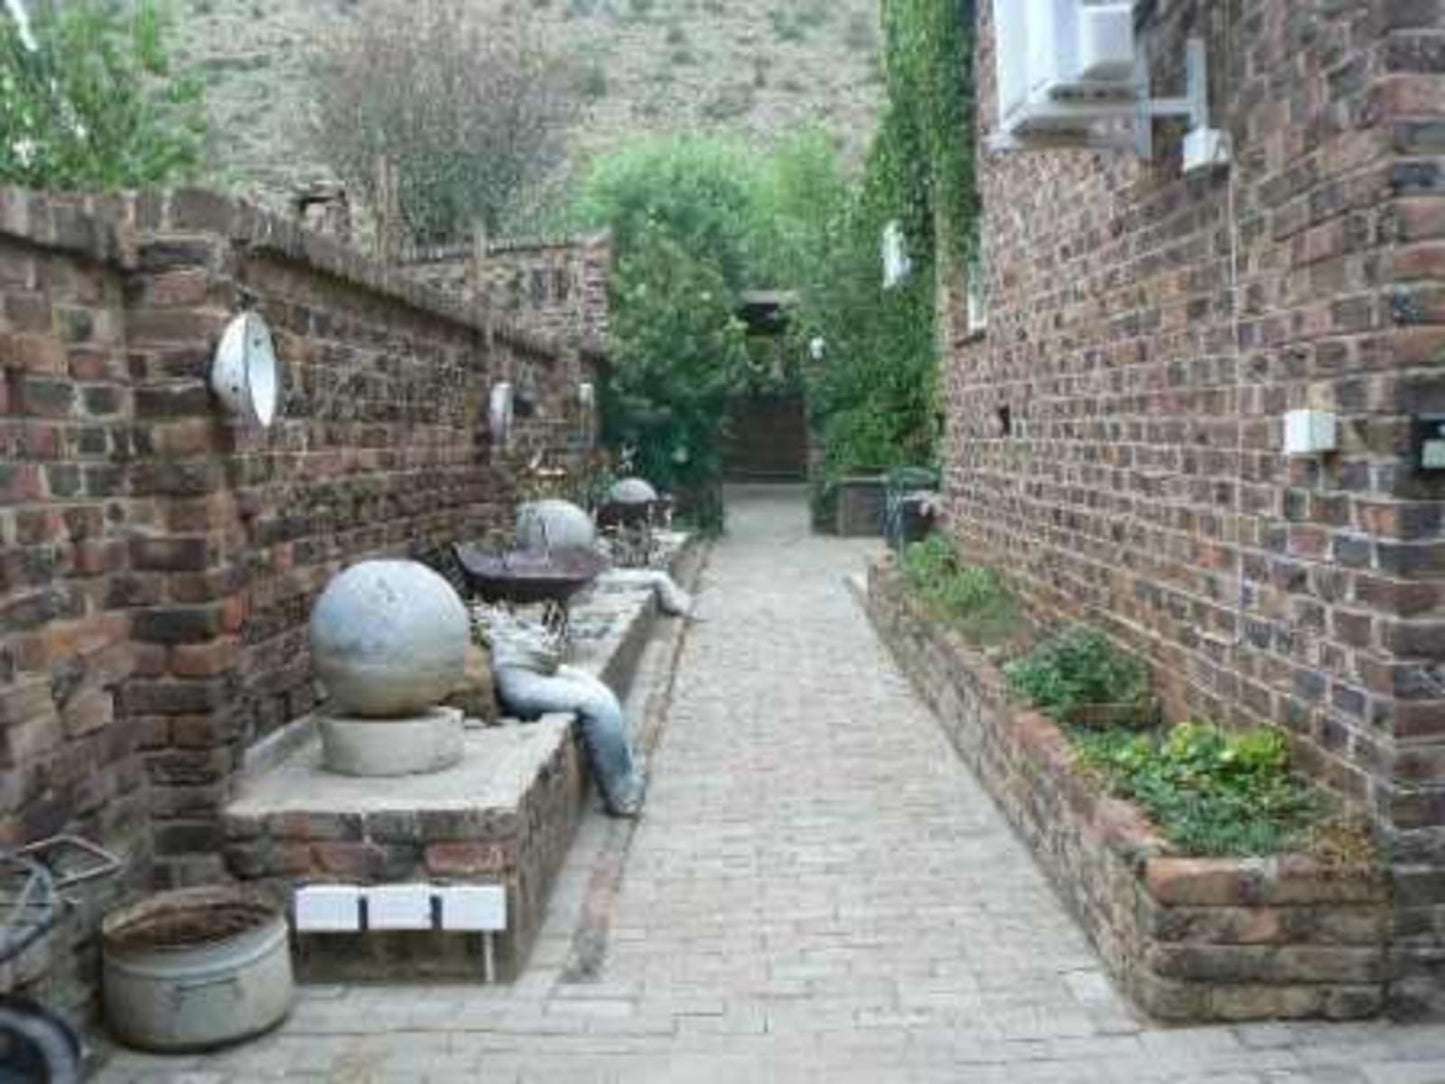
108	229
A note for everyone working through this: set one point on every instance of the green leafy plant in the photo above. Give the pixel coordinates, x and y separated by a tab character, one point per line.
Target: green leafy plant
1076	667
679	353
96	105
1211	792
972	599
694	222
874	398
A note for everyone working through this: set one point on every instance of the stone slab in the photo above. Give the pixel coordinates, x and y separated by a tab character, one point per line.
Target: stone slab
498	766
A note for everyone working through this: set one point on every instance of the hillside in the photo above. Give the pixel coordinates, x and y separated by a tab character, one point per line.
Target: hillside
755	67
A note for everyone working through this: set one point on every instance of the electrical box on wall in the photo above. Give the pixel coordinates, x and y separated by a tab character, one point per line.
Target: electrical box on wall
1310	432
1428	444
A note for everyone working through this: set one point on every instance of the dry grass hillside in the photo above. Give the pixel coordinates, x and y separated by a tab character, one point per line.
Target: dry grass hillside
755	67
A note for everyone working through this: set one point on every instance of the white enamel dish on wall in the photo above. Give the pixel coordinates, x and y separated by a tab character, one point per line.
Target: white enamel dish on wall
244	374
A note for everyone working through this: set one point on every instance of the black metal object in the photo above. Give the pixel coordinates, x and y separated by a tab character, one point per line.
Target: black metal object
908	503
37	1046
521	577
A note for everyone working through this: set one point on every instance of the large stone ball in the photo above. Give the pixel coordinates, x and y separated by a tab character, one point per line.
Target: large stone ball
632	491
389	639
556	525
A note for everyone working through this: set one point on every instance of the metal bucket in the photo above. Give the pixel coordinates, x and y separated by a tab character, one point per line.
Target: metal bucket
196	968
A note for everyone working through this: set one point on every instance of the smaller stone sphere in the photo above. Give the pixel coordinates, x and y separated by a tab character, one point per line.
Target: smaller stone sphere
389	639
554	525
632	491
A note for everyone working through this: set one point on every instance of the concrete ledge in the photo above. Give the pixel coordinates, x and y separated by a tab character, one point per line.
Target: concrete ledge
1189	939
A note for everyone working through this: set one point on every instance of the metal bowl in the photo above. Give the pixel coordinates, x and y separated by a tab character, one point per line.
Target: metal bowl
523	577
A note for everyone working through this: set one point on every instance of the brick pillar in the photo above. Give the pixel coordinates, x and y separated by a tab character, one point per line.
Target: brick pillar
185	558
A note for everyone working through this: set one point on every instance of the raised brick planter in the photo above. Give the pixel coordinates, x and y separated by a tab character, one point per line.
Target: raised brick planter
1189	939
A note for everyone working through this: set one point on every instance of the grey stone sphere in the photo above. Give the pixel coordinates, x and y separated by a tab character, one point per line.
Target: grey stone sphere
389	639
556	525
632	491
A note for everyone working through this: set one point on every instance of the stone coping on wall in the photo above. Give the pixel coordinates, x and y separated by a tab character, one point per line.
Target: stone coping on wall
505	815
110	229
1188	939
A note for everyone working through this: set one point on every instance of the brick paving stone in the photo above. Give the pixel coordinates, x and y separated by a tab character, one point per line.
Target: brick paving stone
819	891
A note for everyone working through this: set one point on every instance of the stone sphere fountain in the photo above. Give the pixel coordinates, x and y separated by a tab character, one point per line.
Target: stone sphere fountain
554	525
632	491
389	642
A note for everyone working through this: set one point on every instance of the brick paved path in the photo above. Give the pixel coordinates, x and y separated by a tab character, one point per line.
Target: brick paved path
819	891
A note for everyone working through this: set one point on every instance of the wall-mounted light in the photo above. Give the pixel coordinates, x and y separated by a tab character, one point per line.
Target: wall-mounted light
817	348
499	412
586	395
244	373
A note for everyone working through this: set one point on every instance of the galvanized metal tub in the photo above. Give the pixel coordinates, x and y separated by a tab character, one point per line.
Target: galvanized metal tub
196	968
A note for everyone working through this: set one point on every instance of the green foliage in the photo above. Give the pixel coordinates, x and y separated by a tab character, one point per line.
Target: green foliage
97	105
929	72
694	222
678	355
970	598
874	402
702	193
1211	792
1077	667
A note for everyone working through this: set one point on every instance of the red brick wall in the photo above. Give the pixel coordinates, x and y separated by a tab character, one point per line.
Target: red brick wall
555	292
1143	485
159	558
68	760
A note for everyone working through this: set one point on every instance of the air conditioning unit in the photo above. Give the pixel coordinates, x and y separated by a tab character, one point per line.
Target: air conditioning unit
1074	73
1063	64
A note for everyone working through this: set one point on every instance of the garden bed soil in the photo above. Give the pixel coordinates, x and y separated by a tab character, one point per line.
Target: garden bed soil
1188	939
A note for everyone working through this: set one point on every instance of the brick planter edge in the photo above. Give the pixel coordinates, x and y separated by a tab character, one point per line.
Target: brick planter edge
1188	939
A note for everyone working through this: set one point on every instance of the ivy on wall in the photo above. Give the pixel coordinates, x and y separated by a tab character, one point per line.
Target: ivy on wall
929	68
873	400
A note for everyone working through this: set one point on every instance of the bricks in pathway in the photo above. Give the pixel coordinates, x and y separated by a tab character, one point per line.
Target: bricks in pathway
819	891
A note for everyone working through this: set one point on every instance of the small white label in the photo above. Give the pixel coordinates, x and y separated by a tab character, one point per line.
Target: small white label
399	907
474	907
328	909
1432	455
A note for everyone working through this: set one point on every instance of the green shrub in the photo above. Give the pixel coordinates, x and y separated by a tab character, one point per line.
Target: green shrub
96	105
1210	792
970	598
1077	667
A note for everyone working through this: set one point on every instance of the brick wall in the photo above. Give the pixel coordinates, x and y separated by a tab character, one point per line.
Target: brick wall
68	760
159	558
557	291
1147	332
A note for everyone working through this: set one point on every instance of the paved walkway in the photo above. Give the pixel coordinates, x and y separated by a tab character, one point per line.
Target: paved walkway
819	891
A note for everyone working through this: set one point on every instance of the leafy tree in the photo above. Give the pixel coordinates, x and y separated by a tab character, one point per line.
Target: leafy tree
471	115
679	353
702	193
684	214
89	100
